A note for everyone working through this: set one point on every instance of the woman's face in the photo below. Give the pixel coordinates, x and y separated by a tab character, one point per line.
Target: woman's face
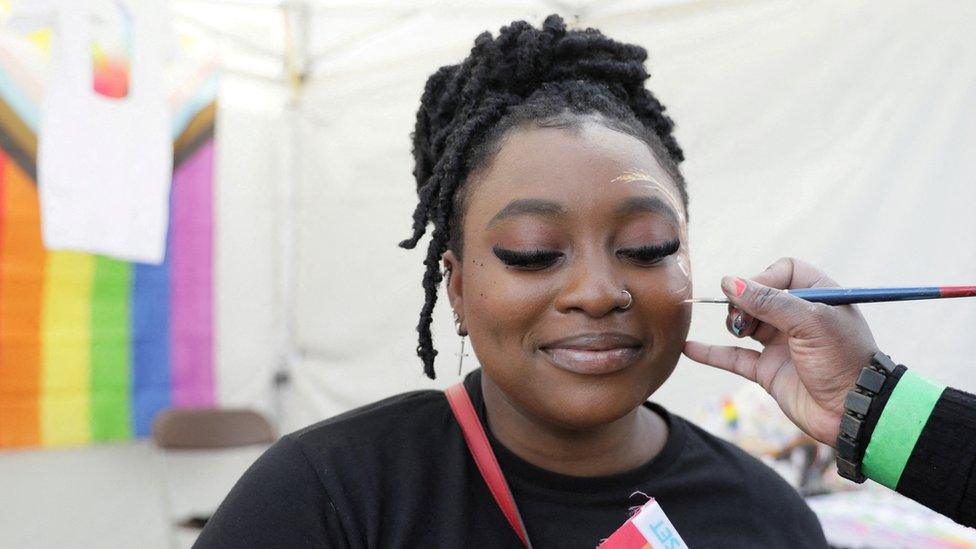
555	228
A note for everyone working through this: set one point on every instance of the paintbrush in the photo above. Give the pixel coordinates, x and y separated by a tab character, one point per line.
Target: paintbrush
847	296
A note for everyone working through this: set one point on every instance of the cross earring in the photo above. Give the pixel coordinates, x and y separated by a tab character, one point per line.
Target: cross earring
461	356
462	333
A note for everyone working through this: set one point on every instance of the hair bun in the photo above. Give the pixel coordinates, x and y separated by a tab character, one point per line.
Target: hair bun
522	58
518	62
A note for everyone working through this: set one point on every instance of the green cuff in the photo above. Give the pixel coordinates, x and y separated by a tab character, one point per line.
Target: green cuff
898	429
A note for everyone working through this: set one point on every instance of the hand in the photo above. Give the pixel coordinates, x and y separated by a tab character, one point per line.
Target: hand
812	353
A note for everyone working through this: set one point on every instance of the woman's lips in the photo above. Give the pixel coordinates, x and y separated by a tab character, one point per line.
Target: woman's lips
593	354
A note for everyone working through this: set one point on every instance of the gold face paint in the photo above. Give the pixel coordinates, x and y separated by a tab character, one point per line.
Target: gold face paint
637	175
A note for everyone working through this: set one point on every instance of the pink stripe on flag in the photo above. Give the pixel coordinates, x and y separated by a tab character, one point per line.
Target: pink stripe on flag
192	281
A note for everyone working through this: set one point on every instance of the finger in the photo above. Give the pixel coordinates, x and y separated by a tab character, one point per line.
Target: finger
784	273
764	333
732	359
770	305
788	273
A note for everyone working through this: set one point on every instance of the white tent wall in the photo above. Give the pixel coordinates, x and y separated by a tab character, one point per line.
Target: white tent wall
247	235
839	132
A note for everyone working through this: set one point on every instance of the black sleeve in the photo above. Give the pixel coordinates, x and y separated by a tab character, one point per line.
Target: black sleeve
279	502
941	470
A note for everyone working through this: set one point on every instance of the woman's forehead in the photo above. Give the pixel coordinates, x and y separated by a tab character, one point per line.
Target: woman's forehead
573	167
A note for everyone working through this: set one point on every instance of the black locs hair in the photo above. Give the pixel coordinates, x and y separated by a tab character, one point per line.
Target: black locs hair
549	76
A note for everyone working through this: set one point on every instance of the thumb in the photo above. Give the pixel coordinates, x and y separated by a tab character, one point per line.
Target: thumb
770	305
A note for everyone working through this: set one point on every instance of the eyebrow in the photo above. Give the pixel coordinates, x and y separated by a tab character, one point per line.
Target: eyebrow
647	204
527	206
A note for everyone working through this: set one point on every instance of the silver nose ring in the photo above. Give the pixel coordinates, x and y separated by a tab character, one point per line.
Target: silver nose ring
630	300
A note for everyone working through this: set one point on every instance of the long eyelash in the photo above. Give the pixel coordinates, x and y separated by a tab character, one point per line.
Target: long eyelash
535	258
651	253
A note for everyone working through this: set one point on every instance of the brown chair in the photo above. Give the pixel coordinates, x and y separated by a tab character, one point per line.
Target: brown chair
210	428
203	432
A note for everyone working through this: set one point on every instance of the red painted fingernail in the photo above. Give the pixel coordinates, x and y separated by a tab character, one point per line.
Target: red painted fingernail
740	287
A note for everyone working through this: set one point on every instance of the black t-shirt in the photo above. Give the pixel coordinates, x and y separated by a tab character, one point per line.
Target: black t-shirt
397	473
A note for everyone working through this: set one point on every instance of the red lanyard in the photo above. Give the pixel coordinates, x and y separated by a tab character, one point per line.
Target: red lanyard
484	457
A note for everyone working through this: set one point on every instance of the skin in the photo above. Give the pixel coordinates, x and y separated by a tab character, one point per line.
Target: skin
574	423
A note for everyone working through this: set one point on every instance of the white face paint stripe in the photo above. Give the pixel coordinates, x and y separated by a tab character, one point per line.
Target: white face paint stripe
687	274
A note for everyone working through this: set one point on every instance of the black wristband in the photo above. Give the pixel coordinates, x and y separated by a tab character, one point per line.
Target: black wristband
862	410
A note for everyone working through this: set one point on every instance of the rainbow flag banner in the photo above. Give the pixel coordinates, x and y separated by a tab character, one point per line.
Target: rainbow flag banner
91	348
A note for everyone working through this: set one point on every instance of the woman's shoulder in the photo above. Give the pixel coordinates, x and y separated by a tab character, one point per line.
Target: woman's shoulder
716	492
334	472
719	463
403	415
738	464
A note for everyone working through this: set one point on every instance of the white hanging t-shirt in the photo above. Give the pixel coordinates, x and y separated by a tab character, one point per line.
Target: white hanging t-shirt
104	164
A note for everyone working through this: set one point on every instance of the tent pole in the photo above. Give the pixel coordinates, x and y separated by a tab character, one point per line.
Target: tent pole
296	26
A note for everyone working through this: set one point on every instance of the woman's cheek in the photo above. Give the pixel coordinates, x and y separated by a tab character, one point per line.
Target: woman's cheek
681	290
664	299
500	303
669	284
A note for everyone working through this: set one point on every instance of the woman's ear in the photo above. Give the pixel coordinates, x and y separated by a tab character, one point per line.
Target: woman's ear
455	286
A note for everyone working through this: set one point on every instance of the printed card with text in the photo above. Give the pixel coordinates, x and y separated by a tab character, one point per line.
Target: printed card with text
648	528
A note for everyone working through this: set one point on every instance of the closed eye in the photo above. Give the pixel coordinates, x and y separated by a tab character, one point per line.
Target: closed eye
532	260
652	254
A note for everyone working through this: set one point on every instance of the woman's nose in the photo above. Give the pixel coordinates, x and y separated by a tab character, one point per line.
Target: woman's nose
593	287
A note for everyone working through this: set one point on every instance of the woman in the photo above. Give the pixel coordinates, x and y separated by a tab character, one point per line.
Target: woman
550	176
